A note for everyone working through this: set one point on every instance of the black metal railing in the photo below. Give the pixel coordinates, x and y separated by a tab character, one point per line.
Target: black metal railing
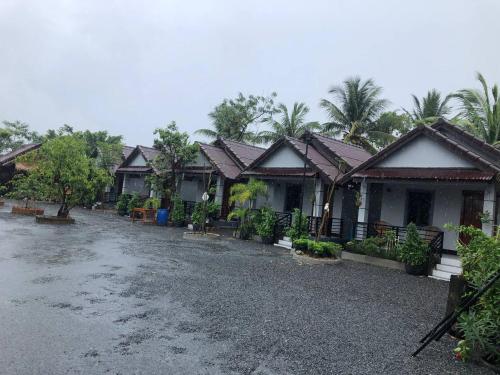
188	207
283	221
432	236
332	228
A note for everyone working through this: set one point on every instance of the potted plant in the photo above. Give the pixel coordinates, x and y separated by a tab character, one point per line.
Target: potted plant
264	225
197	216
122	204
178	216
414	252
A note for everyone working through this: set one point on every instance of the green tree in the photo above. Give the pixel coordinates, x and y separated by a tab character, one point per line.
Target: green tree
391	125
175	151
290	124
64	173
233	118
355	111
480	111
430	108
245	194
15	134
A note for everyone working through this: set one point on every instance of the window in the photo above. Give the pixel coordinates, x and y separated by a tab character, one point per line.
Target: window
419	208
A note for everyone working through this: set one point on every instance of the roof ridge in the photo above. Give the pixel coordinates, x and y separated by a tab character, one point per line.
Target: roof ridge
339	141
241	143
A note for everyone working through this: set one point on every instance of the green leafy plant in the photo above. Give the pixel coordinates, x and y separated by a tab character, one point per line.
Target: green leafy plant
135	201
122	204
414	251
299	227
265	222
197	214
319	248
26	188
245	195
178	215
481	324
152	203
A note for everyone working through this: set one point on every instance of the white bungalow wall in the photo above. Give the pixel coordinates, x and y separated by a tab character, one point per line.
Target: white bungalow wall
200	161
276	193
192	189
424	153
284	157
447	207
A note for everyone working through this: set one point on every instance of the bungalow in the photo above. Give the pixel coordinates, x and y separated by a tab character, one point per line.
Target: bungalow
301	172
131	173
431	176
9	165
219	164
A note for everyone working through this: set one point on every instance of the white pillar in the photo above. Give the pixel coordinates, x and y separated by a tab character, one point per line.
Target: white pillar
489	209
219	189
363	209
318	197
124	184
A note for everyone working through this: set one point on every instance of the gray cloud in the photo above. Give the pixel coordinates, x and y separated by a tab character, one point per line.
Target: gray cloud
131	66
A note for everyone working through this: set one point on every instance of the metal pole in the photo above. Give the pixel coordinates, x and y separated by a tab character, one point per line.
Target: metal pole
303	183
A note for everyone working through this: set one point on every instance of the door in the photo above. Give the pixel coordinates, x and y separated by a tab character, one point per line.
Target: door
419	208
472	208
292	197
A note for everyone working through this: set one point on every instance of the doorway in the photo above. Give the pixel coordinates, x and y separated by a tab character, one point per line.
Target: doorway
292	197
419	208
472	208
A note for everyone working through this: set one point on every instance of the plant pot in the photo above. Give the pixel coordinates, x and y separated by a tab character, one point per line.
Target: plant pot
417	270
27	211
196	227
267	240
43	219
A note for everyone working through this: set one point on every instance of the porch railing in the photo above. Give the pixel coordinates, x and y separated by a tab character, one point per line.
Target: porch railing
283	221
432	236
188	208
333	226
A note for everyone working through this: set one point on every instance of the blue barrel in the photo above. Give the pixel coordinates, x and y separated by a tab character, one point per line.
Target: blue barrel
162	216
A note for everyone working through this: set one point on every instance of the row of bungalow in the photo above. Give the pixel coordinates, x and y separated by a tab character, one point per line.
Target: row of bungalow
432	176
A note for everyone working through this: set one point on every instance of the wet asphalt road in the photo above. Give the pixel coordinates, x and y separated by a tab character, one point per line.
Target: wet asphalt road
105	296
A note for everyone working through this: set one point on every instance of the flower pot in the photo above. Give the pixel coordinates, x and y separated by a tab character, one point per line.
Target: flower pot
27	211
267	239
417	270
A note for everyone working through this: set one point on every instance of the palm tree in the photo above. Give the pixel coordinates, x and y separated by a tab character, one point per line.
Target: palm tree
480	111
430	108
291	125
355	115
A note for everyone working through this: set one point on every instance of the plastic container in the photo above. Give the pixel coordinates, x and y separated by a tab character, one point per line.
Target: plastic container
162	216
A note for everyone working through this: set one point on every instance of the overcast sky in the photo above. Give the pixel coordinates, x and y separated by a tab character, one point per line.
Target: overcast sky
131	66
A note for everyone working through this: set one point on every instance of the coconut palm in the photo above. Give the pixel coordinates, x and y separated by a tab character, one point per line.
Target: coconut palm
430	108
481	112
290	124
355	112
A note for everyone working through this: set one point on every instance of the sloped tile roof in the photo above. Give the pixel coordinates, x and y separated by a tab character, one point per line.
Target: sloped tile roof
446	174
221	160
10	156
126	151
149	153
244	153
350	154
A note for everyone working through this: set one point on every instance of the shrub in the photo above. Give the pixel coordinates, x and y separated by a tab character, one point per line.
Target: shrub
481	324
213	210
197	215
265	222
414	251
299	227
122	204
178	215
134	202
152	203
317	247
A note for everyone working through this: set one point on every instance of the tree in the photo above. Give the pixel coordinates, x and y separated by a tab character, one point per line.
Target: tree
175	151
15	134
355	112
233	118
63	172
245	194
430	108
481	112
291	125
390	126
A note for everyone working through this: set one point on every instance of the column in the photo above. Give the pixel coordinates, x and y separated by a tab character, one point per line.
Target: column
219	189
124	184
318	197
489	209
363	208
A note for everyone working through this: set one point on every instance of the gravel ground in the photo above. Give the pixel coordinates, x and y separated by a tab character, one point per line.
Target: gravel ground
105	296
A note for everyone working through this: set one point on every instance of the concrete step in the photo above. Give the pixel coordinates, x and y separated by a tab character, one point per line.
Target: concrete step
439	278
450	269
284	243
442	275
451	260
